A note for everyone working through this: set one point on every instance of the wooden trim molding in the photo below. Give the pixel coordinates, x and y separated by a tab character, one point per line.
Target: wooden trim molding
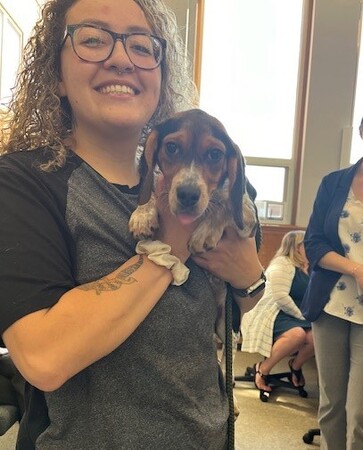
271	239
198	43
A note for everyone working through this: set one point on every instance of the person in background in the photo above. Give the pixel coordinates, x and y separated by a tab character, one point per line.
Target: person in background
275	327
117	349
334	303
12	384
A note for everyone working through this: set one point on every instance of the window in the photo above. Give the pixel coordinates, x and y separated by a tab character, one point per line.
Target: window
10	54
249	80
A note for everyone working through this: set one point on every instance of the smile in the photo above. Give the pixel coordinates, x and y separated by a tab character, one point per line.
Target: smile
117	89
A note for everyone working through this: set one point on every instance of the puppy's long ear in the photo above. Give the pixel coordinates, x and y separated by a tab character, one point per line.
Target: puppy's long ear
237	181
147	166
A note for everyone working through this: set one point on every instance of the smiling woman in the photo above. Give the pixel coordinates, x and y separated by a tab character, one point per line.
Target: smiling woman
92	324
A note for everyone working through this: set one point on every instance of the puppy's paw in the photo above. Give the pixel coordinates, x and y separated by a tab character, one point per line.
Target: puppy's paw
144	222
204	238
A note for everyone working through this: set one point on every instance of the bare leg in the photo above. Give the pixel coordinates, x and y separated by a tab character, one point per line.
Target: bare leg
288	343
305	353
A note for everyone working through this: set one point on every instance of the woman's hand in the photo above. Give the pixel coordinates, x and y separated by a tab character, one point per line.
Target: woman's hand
358	275
341	264
234	260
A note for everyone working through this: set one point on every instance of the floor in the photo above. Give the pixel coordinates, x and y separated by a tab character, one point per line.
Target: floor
278	424
281	423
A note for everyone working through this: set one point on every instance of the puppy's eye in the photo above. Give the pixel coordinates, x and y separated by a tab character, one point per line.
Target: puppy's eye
171	149
215	155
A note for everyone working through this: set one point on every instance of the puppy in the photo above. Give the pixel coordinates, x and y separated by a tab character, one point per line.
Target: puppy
204	175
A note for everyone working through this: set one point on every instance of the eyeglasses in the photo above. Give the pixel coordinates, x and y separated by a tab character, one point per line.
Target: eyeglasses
95	44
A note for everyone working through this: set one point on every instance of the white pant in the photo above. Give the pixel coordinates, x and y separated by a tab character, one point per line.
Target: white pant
339	356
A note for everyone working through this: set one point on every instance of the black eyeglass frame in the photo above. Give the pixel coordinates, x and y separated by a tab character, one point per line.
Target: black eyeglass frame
70	29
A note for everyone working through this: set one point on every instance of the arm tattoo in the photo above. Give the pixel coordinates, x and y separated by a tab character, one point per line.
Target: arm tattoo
112	284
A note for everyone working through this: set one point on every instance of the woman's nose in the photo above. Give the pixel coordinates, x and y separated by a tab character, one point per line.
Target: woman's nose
119	58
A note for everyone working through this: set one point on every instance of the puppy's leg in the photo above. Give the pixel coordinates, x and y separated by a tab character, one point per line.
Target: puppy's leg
249	217
210	228
144	220
206	236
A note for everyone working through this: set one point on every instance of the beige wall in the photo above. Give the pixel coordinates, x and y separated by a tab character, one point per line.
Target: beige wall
23	12
185	11
331	92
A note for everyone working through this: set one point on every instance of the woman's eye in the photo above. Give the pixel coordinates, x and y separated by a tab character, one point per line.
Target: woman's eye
172	149
215	155
92	42
141	49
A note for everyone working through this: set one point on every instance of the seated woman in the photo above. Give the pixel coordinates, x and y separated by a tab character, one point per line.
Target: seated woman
12	384
275	327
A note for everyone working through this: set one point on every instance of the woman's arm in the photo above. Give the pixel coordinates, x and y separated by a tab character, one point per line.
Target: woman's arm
317	243
88	322
334	261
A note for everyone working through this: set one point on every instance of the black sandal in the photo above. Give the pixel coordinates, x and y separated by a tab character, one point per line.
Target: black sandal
297	374
256	371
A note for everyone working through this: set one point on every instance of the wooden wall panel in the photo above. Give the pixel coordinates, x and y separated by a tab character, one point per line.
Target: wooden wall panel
271	240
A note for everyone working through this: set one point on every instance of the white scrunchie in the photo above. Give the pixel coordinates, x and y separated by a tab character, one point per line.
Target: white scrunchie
159	253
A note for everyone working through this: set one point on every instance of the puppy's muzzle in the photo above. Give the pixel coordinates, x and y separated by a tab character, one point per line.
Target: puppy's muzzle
188	196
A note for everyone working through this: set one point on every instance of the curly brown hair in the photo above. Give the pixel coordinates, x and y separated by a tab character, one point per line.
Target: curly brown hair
38	117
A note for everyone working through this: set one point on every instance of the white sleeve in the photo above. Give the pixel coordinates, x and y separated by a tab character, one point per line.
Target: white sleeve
280	275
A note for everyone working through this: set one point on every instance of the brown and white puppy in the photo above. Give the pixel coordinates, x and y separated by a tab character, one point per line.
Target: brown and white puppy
204	175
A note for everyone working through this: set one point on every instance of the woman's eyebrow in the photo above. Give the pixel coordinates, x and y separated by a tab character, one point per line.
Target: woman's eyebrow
130	29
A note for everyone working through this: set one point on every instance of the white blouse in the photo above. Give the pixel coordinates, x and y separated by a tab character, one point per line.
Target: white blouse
346	300
258	323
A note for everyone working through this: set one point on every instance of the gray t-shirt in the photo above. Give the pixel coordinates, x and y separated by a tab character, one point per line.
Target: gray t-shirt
162	388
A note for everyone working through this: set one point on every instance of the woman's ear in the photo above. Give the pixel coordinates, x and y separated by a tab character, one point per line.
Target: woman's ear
237	181
147	166
61	91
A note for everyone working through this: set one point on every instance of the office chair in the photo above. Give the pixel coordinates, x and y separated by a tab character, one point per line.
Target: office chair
309	436
281	379
8	416
12	386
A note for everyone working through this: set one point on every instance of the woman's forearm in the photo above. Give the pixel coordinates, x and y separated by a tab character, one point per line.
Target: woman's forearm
88	322
334	261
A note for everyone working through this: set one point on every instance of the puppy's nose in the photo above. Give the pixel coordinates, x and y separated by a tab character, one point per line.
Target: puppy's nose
188	195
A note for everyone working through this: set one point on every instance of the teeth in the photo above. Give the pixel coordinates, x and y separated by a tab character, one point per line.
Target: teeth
117	89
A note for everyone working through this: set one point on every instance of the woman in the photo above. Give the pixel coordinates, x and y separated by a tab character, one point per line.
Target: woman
115	356
275	327
333	302
11	384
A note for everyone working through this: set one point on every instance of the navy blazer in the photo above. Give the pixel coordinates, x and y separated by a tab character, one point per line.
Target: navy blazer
322	237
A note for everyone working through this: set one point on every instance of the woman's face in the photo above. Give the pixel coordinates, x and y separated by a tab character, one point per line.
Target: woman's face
301	250
114	95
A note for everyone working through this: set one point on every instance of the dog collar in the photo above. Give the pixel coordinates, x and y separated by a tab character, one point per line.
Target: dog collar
252	290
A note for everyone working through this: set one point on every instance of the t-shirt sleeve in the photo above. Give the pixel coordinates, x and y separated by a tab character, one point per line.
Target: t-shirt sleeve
35	245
